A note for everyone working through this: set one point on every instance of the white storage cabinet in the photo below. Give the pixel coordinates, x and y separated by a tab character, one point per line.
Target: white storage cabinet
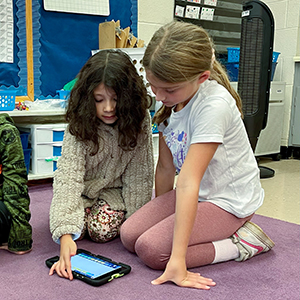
269	140
46	143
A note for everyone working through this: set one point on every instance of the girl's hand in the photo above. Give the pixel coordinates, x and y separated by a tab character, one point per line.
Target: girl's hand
68	248
180	276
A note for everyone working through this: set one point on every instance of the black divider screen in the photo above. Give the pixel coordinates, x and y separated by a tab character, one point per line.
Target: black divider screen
256	49
250	65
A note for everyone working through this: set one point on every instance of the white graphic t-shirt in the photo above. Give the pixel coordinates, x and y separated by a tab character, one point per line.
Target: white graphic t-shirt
231	180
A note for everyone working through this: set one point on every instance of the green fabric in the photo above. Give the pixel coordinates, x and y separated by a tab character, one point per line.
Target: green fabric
70	85
13	185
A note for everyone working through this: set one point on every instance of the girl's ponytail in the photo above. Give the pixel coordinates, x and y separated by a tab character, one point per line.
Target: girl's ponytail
219	74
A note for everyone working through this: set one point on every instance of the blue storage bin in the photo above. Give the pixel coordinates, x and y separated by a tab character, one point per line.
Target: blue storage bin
7	100
233	54
275	56
27	153
56	150
56	154
274	64
63	94
58	136
154	126
232	71
24	139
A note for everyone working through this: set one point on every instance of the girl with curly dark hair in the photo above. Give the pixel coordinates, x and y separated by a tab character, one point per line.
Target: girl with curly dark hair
106	171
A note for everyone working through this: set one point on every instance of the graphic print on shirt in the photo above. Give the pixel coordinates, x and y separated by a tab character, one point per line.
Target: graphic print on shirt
176	142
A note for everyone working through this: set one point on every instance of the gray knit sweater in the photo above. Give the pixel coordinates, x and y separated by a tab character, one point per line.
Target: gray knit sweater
124	179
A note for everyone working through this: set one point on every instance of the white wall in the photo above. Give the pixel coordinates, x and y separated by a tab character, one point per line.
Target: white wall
153	14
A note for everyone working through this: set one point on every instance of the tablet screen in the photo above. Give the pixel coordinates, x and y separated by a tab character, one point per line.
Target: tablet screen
91	266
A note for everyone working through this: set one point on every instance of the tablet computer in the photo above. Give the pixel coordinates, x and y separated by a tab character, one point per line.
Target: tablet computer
93	269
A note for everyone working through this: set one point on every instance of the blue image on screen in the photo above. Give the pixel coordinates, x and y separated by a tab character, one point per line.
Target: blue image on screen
91	266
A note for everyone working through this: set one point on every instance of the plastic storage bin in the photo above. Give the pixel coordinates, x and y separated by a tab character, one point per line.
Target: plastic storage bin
274	63
7	100
275	56
232	71
233	54
24	136
24	139
154	126
63	94
27	153
46	143
232	65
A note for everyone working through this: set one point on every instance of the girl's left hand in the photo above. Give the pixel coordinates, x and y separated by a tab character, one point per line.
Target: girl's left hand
182	277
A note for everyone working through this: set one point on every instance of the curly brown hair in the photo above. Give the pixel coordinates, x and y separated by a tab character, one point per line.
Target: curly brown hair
115	70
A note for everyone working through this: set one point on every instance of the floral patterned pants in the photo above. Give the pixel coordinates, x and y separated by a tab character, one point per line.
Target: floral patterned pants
102	223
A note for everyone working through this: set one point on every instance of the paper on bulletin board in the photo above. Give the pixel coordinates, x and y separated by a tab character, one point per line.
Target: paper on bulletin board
6	32
210	2
207	13
192	12
89	7
179	11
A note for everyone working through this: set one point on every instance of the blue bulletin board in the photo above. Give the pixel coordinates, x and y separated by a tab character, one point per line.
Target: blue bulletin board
62	43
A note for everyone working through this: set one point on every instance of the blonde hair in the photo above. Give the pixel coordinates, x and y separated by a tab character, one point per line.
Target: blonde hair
179	52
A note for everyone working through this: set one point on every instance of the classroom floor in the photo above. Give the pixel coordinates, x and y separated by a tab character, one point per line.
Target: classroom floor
282	192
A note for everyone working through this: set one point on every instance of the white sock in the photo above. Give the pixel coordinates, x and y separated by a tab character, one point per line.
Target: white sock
225	250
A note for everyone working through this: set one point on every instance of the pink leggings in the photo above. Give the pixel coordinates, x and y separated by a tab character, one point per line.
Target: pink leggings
149	232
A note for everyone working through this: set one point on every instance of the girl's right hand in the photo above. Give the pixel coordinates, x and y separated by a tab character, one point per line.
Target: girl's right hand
176	272
68	248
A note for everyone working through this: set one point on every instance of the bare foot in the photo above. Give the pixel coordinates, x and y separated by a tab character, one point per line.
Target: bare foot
4	246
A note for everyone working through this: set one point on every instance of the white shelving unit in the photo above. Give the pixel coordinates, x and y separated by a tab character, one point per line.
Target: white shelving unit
46	143
36	116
